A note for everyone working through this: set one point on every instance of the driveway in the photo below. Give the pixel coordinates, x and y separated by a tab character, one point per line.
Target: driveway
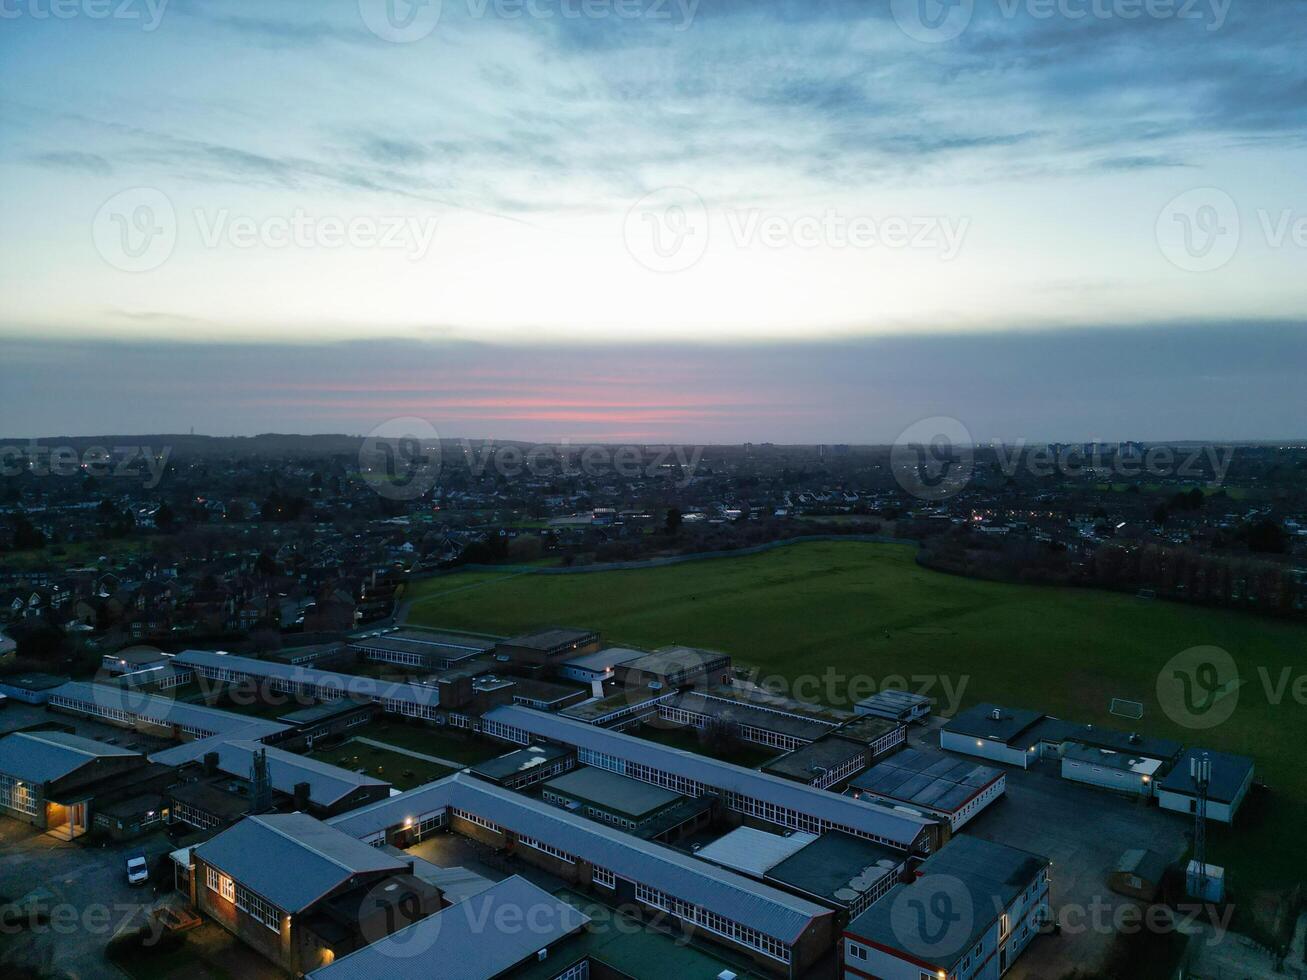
83	895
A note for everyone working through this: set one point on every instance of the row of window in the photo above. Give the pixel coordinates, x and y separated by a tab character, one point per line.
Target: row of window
509	733
479	821
578	971
188	814
126	717
712	922
539	774
17	795
247	901
843	771
541	846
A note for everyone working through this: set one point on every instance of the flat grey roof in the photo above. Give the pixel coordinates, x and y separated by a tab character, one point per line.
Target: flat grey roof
759	906
893	699
610	791
813	759
1229	773
322	711
979	721
291	859
43	757
967	870
902	828
520	760
553	640
937	782
837	868
468	941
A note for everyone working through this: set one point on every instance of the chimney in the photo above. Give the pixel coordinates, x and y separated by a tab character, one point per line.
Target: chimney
210	763
302	797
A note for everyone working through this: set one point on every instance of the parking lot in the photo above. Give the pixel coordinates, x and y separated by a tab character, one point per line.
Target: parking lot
82	893
1083	831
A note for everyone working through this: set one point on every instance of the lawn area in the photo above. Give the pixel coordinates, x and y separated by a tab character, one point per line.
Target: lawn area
402	771
869	610
433	741
744	754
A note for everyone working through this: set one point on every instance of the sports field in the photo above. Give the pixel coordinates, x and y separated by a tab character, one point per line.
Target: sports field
869	611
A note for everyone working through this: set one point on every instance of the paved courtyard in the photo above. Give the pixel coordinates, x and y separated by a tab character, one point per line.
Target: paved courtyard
1083	831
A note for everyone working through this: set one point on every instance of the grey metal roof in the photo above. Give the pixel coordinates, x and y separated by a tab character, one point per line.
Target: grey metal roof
554	640
43	757
604	659
167	711
439	645
750	903
328	784
967	871
939	782
751	851
613	792
349	685
979	721
1229	773
480	937
673	659
291	859
894	699
742	712
902	828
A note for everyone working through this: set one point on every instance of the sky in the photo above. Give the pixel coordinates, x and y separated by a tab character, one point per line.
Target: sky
721	220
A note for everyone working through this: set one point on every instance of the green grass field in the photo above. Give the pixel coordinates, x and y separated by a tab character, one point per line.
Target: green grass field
869	610
402	771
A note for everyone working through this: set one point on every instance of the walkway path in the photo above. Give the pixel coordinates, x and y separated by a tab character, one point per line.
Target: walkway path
450	763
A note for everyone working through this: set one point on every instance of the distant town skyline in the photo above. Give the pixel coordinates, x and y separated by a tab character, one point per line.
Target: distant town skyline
705	221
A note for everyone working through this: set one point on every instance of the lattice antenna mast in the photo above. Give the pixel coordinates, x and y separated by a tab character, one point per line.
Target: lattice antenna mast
1200	771
260	783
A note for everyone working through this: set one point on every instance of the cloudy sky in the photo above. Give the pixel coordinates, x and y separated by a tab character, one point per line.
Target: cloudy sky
654	219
